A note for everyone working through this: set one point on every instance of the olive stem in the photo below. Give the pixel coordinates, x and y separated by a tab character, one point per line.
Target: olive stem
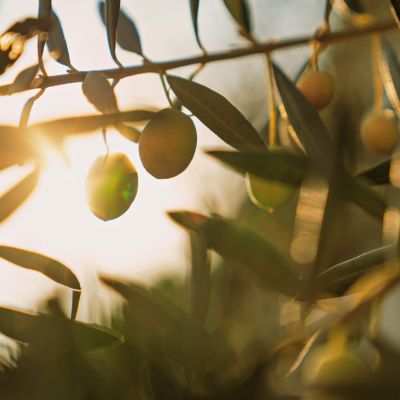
256	48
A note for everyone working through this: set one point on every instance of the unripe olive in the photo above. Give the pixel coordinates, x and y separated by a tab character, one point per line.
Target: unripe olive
111	186
167	143
380	131
268	194
318	87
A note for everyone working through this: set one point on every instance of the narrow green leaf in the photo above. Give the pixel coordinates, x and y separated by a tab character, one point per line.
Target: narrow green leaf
340	277
78	125
112	10
24	327
194	11
379	174
127	35
11	200
49	267
99	92
246	250
306	121
56	42
284	167
200	278
240	13
24	79
166	327
217	113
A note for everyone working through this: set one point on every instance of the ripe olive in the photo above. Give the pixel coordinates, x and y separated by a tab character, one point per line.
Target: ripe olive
318	87
268	194
167	143
111	186
380	131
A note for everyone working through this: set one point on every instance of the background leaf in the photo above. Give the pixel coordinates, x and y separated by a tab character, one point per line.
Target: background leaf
194	11
127	34
396	9
49	267
112	10
44	12
11	200
217	113
240	13
56	43
24	79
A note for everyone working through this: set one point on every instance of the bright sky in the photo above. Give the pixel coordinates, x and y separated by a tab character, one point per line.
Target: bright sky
56	220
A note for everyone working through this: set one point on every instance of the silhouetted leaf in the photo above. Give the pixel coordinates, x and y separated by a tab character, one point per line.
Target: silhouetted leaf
217	113
200	277
396	10
306	121
56	42
99	92
244	249
129	132
24	79
194	11
240	13
127	34
166	327
391	74
78	125
288	168
44	13
379	174
26	326
112	10
12	199
49	267
340	277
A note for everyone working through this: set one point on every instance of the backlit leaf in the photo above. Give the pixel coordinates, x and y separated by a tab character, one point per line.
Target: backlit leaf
288	168
194	11
25	327
129	132
217	113
244	249
127	35
240	13
99	92
24	79
12	199
56	42
305	120
44	12
49	267
112	10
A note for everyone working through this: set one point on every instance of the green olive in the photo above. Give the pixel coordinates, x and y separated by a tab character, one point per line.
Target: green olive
167	144
267	193
380	131
318	87
111	186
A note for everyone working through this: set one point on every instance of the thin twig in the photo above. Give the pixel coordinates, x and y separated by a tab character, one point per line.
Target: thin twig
260	48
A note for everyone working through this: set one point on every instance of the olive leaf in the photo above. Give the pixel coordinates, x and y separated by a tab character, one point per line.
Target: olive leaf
284	167
200	277
12	199
24	79
49	267
340	277
129	132
395	8
166	327
127	34
306	121
25	327
378	174
99	92
194	11
244	249
56	42
240	13
44	12
112	10
217	113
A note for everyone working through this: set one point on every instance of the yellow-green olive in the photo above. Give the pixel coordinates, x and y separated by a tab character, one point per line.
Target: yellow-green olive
111	186
318	87
167	143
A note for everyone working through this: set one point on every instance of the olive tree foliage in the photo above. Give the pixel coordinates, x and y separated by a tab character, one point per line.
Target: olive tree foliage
160	348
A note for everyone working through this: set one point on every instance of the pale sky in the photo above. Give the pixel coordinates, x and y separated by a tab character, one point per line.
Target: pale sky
56	220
